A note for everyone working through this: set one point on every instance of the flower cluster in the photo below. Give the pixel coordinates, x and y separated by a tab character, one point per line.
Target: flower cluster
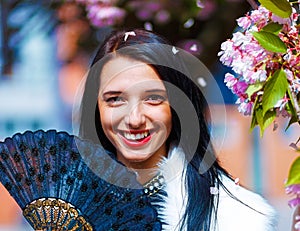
151	14
150	11
264	54
103	13
295	191
255	61
112	12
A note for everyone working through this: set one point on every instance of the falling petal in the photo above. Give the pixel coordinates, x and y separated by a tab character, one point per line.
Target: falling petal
214	190
174	50
100	15
237	181
189	23
194	48
200	4
208	8
132	33
294	146
148	26
202	82
297	225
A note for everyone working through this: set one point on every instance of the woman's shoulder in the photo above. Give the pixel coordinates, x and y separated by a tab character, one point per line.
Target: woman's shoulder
242	209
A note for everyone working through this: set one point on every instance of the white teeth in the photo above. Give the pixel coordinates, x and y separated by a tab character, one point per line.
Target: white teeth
138	136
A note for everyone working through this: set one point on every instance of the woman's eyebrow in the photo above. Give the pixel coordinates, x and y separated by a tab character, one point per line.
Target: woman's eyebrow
156	90
112	93
108	93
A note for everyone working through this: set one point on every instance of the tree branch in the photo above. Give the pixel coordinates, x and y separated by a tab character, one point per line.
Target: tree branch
253	4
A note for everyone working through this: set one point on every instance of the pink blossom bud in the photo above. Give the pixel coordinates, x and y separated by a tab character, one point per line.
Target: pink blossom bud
244	22
230	80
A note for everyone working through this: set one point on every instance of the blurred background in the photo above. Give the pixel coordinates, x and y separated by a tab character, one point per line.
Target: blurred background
47	46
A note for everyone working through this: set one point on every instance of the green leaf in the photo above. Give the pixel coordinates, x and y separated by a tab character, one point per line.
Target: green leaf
290	107
294	173
291	110
260	118
264	121
270	41
254	120
281	8
273	28
275	89
254	88
292	103
292	120
268	119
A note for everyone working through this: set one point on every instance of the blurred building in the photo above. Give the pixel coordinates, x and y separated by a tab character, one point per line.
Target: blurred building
29	99
29	95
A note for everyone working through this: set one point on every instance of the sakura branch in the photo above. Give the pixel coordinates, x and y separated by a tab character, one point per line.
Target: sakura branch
264	57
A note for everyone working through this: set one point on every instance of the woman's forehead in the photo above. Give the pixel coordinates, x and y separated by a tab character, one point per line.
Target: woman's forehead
128	72
120	64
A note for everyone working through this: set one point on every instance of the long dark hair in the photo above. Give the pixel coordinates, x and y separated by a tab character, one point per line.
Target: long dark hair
202	170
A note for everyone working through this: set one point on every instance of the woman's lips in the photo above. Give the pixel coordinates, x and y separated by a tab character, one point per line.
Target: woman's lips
136	138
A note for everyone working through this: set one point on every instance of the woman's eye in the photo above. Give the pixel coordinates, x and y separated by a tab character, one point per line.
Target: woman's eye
155	99
115	100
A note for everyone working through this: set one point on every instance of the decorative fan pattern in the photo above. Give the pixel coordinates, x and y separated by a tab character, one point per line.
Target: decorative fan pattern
64	183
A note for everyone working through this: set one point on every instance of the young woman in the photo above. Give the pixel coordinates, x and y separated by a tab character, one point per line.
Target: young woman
141	103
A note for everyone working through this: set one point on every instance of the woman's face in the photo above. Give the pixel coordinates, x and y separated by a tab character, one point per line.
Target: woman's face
134	111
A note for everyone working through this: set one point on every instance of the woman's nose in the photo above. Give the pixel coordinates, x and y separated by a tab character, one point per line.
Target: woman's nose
135	117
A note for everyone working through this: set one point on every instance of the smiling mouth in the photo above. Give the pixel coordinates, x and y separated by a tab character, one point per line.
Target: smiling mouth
138	136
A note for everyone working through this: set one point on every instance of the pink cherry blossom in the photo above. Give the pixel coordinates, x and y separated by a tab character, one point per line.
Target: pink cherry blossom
239	88
294	190
102	15
162	17
296	85
289	74
244	22
260	17
146	10
109	2
239	39
259	76
281	103
294	202
245	108
230	80
253	64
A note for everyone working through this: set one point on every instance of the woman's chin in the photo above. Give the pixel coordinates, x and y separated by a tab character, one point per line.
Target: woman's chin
136	160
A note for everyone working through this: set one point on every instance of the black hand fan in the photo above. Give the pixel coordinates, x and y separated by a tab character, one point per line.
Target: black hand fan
64	183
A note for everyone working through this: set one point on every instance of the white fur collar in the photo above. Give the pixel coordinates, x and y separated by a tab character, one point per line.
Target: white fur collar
173	170
231	215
